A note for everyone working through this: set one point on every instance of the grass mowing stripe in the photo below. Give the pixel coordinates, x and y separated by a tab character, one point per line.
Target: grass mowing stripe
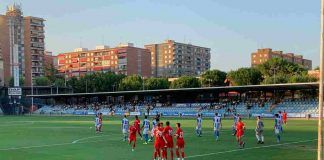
236	150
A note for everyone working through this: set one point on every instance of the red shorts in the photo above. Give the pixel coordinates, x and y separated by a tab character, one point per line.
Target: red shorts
162	144
180	144
156	145
132	138
170	143
239	133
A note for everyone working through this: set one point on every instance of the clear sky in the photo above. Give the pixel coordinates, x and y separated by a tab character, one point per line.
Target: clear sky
231	28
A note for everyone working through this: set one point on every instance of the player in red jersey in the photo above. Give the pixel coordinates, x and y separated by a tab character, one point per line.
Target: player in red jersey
180	142
157	146
132	136
168	132
284	117
163	142
137	124
240	127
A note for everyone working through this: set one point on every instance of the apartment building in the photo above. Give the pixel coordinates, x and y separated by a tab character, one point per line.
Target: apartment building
22	40
174	59
263	55
123	59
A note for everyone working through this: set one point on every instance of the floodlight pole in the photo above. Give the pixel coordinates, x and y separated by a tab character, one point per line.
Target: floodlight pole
320	95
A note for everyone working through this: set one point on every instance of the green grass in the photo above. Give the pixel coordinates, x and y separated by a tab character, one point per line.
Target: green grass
51	138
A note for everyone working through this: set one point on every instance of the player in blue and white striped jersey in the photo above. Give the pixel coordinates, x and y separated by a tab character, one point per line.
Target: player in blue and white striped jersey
125	126
155	121
199	126
236	117
277	127
217	125
146	128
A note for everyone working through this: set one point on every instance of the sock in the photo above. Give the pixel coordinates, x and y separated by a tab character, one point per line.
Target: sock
171	154
258	137
183	155
177	153
155	154
217	132
262	138
165	154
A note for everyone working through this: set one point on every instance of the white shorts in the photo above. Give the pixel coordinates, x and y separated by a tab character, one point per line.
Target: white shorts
198	127
216	128
145	131
98	125
277	130
125	131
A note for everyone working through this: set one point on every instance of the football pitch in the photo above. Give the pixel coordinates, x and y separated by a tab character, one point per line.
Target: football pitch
73	137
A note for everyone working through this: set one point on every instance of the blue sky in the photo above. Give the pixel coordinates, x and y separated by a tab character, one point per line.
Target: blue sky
231	28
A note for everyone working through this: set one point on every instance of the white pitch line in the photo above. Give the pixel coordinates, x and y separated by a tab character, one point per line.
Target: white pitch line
46	145
76	141
236	150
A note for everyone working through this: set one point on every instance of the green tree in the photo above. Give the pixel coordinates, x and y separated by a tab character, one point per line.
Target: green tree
42	81
156	83
21	81
277	79
186	82
51	72
278	70
245	76
302	78
279	66
59	82
131	83
213	78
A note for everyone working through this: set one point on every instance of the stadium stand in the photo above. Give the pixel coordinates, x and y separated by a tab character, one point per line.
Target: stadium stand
294	108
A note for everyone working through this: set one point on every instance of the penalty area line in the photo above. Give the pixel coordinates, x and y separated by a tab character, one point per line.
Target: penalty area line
236	150
81	139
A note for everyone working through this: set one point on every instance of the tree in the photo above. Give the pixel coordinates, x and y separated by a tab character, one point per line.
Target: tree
131	83
279	66
302	78
59	82
42	81
21	81
277	79
156	83
213	78
278	70
186	82
51	72
245	76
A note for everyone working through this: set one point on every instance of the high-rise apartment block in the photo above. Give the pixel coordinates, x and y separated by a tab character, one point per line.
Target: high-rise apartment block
22	40
263	55
174	59
123	59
